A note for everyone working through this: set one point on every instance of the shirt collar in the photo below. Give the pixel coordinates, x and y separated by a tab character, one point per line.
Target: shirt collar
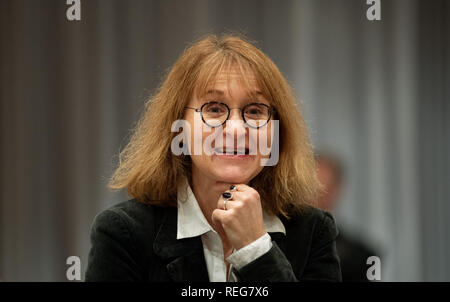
192	222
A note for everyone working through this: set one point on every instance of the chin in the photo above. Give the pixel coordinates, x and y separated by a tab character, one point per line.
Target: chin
233	179
236	175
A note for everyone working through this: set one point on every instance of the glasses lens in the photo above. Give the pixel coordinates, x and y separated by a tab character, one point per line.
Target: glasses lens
256	115
214	114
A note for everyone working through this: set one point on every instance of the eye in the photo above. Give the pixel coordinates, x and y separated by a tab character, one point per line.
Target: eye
256	110
214	108
253	110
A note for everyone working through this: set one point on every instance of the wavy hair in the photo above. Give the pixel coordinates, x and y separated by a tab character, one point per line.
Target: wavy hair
151	173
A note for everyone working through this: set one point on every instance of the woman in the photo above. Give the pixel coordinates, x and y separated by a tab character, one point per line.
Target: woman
234	214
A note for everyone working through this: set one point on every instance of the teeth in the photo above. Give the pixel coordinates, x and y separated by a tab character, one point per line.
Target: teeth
235	152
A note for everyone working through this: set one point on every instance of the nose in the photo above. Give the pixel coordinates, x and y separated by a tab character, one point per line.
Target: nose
235	130
235	114
235	119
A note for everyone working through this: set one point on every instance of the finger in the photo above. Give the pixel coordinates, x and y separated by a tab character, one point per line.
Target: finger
236	187
237	196
241	198
218	216
241	187
247	189
233	188
229	202
227	186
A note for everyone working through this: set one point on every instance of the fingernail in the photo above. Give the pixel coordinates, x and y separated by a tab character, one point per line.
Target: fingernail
232	187
226	195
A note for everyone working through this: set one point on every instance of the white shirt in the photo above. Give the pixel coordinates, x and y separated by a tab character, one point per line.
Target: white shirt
192	223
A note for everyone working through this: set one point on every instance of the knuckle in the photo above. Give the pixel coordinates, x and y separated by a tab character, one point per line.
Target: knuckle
226	221
215	215
239	205
254	194
247	197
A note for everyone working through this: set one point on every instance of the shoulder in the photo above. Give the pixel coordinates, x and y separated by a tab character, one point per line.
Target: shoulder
313	219
313	227
121	239
132	212
130	221
311	245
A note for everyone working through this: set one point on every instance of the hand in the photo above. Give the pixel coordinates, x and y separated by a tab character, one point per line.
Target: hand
242	222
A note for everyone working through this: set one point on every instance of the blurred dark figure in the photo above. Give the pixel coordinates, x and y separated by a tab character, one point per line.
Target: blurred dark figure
353	253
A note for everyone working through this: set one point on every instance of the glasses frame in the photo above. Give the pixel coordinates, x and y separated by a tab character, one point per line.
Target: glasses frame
270	109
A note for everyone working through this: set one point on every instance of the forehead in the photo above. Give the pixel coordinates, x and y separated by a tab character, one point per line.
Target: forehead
223	77
229	82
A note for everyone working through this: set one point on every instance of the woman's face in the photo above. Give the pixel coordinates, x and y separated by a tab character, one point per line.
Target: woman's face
218	166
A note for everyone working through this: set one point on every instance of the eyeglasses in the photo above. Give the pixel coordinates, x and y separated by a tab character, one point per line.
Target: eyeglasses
215	114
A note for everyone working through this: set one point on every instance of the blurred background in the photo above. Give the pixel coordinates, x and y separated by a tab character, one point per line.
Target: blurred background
375	94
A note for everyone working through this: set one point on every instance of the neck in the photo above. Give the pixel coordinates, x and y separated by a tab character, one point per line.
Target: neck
207	192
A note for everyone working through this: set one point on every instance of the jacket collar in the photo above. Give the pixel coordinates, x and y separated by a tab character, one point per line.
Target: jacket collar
184	257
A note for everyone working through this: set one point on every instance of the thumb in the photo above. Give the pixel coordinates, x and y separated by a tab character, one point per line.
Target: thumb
217	218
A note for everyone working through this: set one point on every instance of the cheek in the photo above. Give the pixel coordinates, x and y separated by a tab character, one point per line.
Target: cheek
269	134
198	133
262	139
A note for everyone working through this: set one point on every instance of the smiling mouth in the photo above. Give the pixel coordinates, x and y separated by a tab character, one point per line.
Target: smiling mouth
234	152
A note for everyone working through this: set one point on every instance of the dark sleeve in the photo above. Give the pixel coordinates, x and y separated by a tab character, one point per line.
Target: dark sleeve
273	266
112	255
322	264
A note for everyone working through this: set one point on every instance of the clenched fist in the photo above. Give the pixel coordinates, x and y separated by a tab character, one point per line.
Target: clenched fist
238	217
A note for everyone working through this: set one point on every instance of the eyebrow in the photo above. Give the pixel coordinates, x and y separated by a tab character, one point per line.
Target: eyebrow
214	91
220	92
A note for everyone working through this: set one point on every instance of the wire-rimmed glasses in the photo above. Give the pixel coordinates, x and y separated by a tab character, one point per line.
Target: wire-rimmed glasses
215	114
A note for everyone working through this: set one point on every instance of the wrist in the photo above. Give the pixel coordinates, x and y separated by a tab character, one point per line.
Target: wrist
250	252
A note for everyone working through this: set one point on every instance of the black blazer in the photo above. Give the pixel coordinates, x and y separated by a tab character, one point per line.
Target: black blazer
133	241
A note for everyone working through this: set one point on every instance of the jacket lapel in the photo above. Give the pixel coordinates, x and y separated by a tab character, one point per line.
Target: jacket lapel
279	238
184	257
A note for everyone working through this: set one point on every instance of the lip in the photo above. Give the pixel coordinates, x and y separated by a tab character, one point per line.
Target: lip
220	154
233	157
231	152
